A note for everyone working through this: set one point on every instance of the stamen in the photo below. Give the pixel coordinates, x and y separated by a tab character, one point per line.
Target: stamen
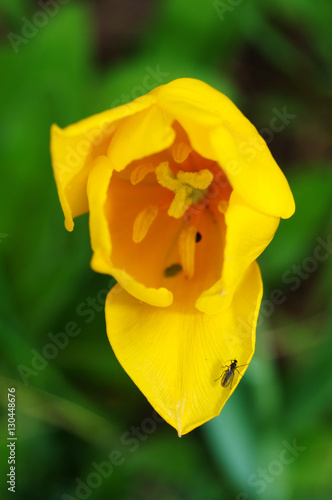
140	172
181	151
222	206
143	222
187	240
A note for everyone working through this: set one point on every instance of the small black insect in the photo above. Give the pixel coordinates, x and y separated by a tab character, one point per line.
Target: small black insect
227	375
198	237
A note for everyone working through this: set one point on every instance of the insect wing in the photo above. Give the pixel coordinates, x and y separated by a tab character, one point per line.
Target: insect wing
227	377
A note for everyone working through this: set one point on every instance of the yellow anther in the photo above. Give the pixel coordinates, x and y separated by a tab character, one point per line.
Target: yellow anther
140	172
222	206
187	246
181	151
143	222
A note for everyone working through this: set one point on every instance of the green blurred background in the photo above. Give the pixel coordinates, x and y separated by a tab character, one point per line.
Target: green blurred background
64	60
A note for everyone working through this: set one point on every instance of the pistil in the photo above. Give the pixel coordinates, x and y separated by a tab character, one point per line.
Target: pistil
189	187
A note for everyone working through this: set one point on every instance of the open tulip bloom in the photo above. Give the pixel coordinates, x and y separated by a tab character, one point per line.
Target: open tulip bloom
183	195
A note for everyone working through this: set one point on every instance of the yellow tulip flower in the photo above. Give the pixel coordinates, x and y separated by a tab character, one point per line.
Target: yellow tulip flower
179	212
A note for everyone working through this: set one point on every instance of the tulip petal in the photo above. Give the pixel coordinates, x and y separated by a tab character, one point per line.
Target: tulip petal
219	131
97	189
248	233
256	177
74	149
175	356
139	136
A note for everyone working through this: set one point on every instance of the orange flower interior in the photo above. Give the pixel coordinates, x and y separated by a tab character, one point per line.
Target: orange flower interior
166	219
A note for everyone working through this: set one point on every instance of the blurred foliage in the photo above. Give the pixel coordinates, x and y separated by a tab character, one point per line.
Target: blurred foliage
75	409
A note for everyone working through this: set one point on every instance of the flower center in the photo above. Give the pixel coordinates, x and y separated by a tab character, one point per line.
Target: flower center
189	187
172	223
191	190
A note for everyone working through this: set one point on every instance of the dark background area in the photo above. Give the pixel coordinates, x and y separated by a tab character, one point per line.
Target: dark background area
83	428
